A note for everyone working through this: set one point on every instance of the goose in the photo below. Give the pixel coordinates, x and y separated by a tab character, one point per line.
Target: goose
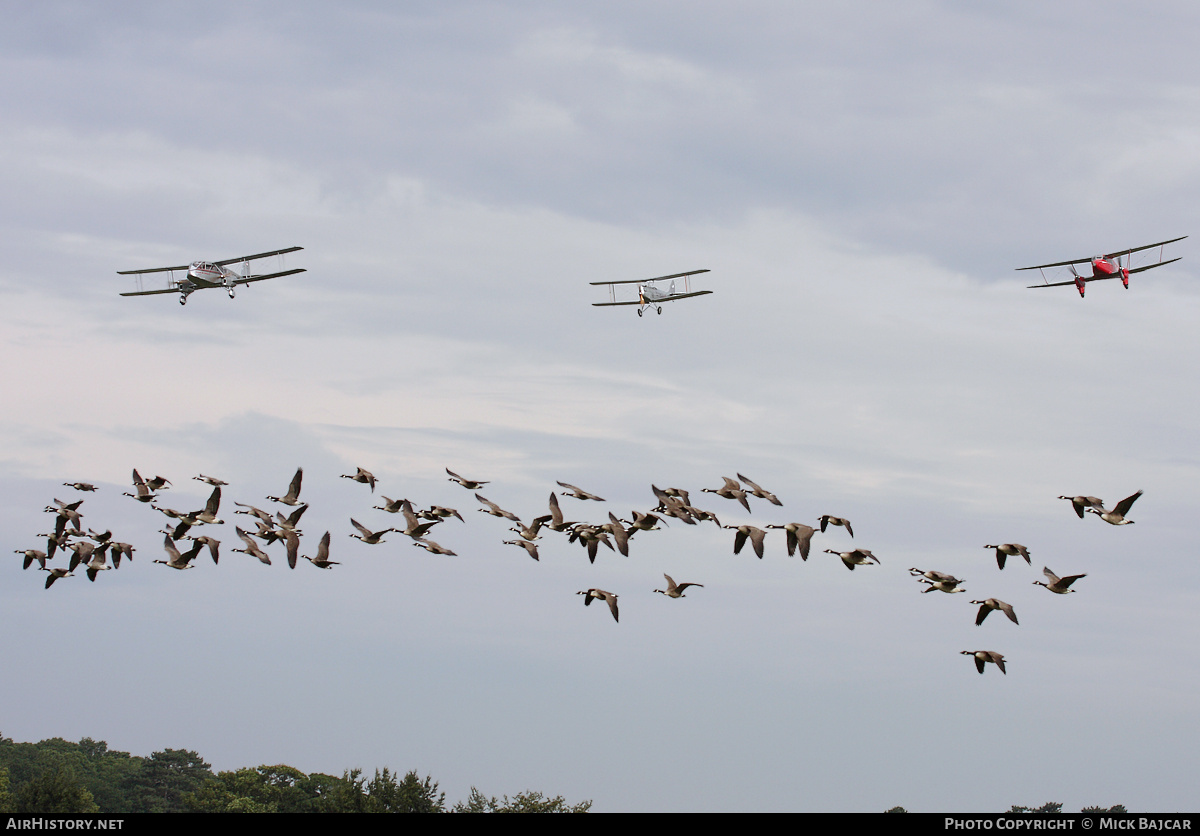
66	513
672	506
942	586
755	490
291	540
590	537
495	510
469	484
578	493
144	494
1082	503
368	536
858	557
392	506
255	512
293	494
557	523
935	576
1117	515
82	553
216	483
81	486
361	476
414	528
530	532
440	512
987	605
32	555
644	522
675	590
157	483
1005	549
982	657
97	565
292	520
175	559
432	547
590	594
1057	584
252	548
119	549
619	533
827	520
731	490
529	547
57	573
209	514
744	532
214	546
799	536
322	561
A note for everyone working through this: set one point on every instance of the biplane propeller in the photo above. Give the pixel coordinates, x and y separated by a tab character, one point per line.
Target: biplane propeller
202	275
1107	266
651	295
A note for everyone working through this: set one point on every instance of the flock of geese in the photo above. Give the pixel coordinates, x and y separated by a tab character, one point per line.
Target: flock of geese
93	550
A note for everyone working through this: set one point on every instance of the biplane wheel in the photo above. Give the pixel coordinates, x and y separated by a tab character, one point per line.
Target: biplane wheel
183	300
231	293
639	311
660	310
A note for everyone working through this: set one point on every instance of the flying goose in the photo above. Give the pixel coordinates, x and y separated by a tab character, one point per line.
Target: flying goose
322	561
942	586
440	512
1057	584
982	657
589	594
469	484
32	555
1082	503
1117	515
530	548
157	483
530	532
755	490
1005	549
80	486
216	483
578	493
293	494
432	547
55	574
209	514
744	532
986	606
495	510
799	536
175	559
144	494
858	557
827	520
368	536
414	528
675	590
590	537
252	548
364	477
214	546
730	490
935	576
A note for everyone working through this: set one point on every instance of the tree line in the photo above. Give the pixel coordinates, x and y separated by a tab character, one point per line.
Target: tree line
57	776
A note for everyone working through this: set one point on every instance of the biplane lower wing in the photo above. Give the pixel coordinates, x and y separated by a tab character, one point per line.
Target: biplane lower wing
653	301
152	292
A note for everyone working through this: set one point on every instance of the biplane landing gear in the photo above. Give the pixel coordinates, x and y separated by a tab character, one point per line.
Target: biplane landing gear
231	293
640	311
660	310
183	300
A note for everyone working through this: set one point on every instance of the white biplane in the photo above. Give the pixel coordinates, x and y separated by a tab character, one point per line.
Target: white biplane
201	275
651	295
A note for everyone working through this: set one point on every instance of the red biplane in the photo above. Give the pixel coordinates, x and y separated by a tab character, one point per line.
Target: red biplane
1107	266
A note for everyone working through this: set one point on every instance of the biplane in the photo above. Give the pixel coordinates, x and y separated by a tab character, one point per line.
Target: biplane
1107	266
651	295
202	275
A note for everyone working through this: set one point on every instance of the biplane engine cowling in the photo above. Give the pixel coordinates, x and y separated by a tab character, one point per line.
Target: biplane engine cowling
1125	277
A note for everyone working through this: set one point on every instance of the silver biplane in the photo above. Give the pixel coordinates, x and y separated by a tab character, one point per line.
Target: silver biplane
202	275
651	295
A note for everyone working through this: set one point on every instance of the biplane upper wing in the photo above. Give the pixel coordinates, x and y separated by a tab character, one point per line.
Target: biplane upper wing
183	267
259	255
1106	255
248	279
658	279
1147	247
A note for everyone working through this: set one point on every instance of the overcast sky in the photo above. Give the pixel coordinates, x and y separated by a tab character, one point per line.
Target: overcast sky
860	178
